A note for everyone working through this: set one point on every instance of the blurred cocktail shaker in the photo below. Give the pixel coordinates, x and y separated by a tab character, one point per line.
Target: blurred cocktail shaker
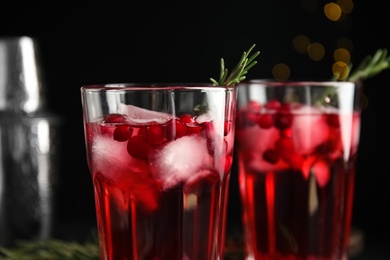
29	145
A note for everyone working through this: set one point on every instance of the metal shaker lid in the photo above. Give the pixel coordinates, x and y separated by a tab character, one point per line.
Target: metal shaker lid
20	83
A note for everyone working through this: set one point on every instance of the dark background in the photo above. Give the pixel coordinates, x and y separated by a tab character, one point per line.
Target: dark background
183	41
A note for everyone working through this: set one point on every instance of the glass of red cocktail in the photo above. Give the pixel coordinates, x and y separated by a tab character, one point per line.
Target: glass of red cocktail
297	146
160	159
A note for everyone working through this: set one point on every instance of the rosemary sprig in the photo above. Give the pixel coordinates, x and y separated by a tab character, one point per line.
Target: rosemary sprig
239	71
50	250
371	66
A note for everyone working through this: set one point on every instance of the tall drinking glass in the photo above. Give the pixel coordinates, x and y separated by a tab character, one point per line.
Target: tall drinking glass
297	147
160	158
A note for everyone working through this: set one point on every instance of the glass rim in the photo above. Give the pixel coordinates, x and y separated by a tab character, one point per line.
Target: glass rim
154	86
275	83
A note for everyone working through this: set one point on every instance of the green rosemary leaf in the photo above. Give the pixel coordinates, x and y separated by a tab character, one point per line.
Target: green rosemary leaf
50	250
239	71
371	66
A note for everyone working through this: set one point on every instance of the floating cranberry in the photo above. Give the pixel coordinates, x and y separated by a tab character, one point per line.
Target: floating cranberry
273	104
283	117
187	119
155	134
271	156
137	147
253	106
265	121
122	133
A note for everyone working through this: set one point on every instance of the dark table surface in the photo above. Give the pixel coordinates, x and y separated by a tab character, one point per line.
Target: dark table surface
363	246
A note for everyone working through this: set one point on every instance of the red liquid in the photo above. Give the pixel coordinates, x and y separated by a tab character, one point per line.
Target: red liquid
296	183
156	201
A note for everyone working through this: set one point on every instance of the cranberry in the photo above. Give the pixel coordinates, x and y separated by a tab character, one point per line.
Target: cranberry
122	133
265	121
155	134
253	106
187	119
273	104
271	156
283	117
137	147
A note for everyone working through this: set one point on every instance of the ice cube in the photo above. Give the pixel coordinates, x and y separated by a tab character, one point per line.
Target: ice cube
112	159
257	139
206	117
180	159
139	115
132	176
309	129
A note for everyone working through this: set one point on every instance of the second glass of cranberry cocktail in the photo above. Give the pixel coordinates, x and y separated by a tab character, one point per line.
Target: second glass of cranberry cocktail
297	146
160	159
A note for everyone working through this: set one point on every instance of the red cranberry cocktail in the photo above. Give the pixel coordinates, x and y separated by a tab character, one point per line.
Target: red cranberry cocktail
297	146
160	159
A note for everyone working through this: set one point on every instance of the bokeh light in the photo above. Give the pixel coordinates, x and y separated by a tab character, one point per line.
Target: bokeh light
342	55
332	11
316	51
340	70
281	72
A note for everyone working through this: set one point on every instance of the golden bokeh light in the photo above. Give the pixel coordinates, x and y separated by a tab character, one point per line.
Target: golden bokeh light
345	5
332	11
301	43
342	55
281	72
316	51
340	70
